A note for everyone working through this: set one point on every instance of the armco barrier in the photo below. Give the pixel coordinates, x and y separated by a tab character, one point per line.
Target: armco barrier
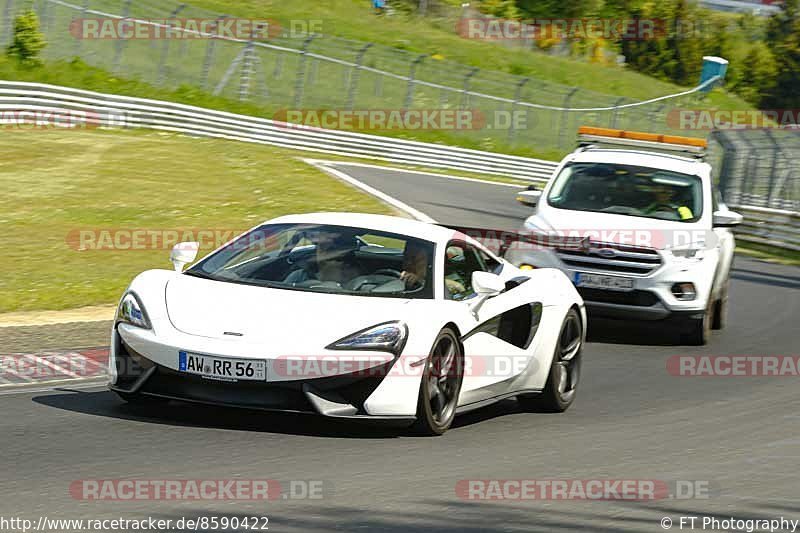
168	116
772	227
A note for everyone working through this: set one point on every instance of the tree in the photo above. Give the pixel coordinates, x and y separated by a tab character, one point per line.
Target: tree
28	41
783	35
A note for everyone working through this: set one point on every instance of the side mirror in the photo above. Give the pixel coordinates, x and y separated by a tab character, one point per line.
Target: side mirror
726	219
183	253
529	197
485	285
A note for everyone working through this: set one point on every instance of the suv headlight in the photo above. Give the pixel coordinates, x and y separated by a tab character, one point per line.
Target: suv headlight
386	337
130	311
688	252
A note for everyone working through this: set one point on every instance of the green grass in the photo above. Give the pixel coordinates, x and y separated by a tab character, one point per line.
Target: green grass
55	183
768	253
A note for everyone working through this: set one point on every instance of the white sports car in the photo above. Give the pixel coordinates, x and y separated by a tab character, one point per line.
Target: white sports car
350	315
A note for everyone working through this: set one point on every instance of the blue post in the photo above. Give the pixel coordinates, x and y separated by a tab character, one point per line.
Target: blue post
713	66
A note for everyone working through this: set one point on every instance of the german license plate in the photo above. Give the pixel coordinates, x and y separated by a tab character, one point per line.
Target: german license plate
599	281
222	368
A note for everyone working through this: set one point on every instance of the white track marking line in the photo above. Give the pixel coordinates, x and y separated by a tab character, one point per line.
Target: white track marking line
394	202
323	162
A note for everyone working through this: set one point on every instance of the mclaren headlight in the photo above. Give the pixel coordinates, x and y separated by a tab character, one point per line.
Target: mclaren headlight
131	311
386	337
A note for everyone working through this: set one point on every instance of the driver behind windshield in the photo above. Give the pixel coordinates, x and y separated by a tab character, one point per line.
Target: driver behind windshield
332	262
664	202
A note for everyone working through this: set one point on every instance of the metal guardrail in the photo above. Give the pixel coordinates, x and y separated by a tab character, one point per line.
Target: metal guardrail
108	110
771	227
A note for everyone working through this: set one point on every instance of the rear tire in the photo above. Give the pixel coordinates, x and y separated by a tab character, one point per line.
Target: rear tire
562	383
441	385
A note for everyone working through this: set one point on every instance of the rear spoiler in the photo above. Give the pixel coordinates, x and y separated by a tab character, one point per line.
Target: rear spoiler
509	238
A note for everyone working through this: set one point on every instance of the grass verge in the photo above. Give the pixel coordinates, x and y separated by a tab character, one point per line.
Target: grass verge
55	184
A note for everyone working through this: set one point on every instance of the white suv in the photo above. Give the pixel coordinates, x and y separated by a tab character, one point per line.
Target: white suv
641	231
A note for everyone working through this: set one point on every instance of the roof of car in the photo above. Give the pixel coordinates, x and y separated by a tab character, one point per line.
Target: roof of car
392	224
674	163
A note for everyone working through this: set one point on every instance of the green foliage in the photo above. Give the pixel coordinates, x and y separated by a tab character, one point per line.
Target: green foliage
28	41
783	36
506	9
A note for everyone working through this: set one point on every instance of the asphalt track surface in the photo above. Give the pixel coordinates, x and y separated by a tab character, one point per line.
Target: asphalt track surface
631	420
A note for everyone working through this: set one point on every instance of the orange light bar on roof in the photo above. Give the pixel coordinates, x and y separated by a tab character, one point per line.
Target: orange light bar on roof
642	136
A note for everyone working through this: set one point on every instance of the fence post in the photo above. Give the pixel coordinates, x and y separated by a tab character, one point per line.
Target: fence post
120	44
776	150
412	73
208	60
351	91
728	155
465	87
423	7
247	70
614	112
299	83
79	37
8	23
162	62
517	97
564	114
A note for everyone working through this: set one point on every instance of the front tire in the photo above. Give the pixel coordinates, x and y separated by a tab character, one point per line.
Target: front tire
562	383
441	385
697	331
721	310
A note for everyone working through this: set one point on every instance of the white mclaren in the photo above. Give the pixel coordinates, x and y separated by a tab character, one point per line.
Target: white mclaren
353	316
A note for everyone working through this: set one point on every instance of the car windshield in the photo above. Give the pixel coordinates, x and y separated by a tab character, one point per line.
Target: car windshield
628	190
325	258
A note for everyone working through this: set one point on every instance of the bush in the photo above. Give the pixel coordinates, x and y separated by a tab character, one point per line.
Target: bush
28	41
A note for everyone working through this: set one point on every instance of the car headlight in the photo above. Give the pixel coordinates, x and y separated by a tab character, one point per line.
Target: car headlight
688	252
386	337
130	311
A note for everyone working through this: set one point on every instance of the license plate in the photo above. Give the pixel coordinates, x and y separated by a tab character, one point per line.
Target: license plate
222	368
598	281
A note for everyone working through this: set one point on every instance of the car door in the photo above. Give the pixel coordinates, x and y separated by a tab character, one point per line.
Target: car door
497	346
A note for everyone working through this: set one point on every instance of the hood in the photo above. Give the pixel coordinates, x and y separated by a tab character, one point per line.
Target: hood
619	229
302	320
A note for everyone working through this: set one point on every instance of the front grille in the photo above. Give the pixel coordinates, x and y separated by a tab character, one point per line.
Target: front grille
610	257
637	298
